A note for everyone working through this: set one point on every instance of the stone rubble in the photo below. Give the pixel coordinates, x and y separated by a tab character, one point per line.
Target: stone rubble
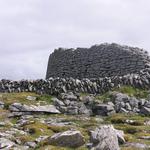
73	104
104	137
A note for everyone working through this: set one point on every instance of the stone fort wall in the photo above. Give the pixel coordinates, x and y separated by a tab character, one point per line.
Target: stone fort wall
103	60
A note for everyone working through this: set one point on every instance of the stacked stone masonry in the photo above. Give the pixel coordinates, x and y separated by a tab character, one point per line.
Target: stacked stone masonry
94	70
103	60
55	86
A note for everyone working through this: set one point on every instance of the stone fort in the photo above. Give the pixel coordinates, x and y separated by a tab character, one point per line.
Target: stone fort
105	60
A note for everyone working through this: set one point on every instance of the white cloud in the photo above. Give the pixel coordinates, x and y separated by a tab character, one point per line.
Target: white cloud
31	29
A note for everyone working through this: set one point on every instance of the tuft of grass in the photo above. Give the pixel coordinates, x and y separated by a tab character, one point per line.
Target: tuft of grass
45	97
25	138
130	148
132	91
9	98
57	129
129	90
131	130
116	118
104	97
38	129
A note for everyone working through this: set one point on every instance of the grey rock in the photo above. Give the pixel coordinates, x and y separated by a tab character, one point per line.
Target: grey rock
31	98
19	147
18	107
83	110
41	139
23	122
123	110
145	137
68	96
128	107
130	121
104	138
1	104
145	110
88	100
72	110
103	109
134	102
57	102
62	109
67	139
147	123
2	124
6	144
136	110
111	104
138	145
147	104
118	106
89	145
142	102
120	136
119	97
31	144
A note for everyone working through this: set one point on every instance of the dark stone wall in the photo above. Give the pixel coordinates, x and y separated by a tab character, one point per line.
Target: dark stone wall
103	60
55	86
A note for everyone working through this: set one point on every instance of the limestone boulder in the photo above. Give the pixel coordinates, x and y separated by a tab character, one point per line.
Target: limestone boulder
31	98
69	138
106	138
1	104
145	110
103	109
6	144
18	107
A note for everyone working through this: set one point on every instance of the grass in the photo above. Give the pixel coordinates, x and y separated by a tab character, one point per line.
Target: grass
132	91
57	129
129	90
45	98
50	147
133	131
37	129
9	98
121	118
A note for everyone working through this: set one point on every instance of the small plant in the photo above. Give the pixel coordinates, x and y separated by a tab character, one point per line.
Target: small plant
131	130
32	131
57	129
45	97
132	91
118	120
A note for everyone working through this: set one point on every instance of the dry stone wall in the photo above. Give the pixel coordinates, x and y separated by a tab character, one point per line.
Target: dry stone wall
94	70
103	60
55	86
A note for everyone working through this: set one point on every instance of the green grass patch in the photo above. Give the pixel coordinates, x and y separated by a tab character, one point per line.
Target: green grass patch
9	98
129	90
132	91
46	98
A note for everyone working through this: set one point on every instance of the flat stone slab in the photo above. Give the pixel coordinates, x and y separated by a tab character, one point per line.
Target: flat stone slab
18	107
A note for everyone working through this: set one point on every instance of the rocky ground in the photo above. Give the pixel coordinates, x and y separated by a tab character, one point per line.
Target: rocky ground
118	119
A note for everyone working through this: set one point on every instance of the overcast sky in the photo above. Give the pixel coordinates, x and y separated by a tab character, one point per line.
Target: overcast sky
31	29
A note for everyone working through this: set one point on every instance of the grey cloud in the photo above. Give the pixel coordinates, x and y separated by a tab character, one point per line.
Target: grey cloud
31	29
